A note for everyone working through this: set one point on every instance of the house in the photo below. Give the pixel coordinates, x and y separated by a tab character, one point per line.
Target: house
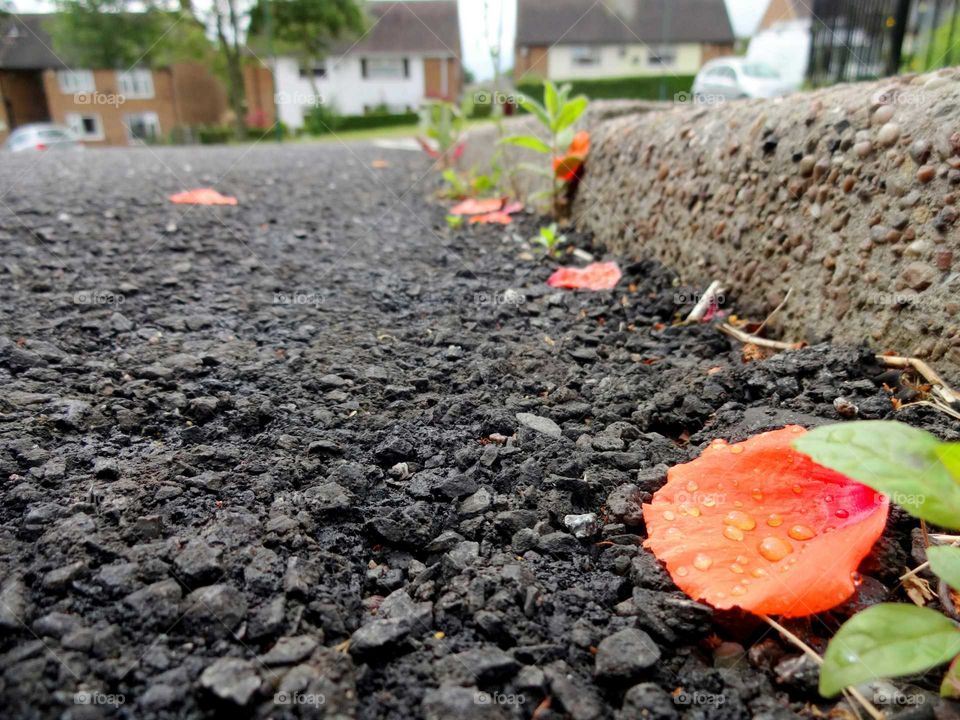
582	39
103	106
783	39
409	54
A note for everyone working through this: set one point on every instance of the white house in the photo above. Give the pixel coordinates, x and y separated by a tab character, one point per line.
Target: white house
783	39
410	54
582	39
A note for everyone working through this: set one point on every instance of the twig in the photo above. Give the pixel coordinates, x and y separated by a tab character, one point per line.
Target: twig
777	309
703	304
812	654
940	389
737	334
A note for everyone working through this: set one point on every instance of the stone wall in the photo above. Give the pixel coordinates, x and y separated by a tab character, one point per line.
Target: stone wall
848	195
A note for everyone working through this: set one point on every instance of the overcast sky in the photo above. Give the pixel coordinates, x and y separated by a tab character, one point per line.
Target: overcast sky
744	14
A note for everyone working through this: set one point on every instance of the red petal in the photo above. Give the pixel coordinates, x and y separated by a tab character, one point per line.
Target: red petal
494	218
513	207
202	196
580	145
477	207
566	168
428	149
760	526
595	276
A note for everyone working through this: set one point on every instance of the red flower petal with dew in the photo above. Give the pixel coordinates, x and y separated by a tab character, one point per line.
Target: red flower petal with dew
494	218
472	206
760	526
595	276
202	196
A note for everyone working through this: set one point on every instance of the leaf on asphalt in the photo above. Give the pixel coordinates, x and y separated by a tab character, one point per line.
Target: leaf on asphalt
760	526
595	276
892	458
380	164
202	196
887	640
945	562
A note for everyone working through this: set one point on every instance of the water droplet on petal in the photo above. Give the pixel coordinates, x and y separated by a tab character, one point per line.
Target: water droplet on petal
738	569
733	533
774	549
736	449
669	515
759	572
673	531
682	571
841	513
774	520
857	578
756	494
828	498
738	590
740	520
801	532
742	559
702	562
797	489
692	486
693	511
709	502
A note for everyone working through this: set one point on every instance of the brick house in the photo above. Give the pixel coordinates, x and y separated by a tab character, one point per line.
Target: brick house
582	39
410	54
103	107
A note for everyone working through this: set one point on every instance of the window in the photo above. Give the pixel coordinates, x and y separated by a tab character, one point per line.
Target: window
585	56
385	68
662	56
319	71
135	83
143	127
85	126
72	82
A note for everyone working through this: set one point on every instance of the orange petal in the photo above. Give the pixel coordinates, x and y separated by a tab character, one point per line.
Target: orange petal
760	526
494	218
202	196
472	206
595	276
567	167
580	145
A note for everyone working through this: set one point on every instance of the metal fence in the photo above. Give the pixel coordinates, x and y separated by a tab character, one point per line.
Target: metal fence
866	39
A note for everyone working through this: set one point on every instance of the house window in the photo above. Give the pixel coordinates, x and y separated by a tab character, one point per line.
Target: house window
86	126
135	84
72	82
585	56
319	71
663	56
385	68
143	127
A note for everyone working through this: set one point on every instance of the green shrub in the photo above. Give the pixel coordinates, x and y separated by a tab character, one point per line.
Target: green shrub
376	120
215	135
628	88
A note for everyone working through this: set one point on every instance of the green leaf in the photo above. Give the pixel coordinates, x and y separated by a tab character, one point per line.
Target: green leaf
892	458
530	142
950	687
949	454
551	101
536	109
538	169
887	640
571	112
945	562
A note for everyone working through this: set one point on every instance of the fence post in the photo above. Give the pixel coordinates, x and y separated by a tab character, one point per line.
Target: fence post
900	19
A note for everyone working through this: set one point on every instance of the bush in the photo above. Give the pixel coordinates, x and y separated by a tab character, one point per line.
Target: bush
376	120
625	88
215	135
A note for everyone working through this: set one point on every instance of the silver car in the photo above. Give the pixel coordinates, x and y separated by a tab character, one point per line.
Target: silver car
733	77
41	136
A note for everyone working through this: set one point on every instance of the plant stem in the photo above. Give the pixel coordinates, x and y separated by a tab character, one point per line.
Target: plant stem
812	654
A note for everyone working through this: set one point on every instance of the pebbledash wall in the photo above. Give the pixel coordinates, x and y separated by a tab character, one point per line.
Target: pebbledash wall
848	195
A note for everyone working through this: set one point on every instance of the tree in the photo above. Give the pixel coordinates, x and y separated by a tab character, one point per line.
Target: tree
306	28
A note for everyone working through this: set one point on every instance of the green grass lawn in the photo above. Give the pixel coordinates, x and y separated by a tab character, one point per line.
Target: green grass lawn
400	131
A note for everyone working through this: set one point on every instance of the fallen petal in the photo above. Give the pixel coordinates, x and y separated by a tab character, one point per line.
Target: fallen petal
494	218
595	276
202	196
472	206
760	526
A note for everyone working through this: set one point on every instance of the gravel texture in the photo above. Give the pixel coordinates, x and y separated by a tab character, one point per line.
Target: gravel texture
317	455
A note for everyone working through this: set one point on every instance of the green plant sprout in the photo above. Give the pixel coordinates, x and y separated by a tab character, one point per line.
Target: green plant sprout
443	123
549	239
557	116
922	475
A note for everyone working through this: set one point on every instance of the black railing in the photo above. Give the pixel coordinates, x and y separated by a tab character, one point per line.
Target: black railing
866	39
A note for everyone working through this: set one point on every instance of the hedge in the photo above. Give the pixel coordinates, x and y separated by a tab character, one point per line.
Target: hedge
343	123
628	88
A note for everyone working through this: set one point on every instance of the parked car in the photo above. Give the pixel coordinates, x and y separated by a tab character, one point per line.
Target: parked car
733	77
41	136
